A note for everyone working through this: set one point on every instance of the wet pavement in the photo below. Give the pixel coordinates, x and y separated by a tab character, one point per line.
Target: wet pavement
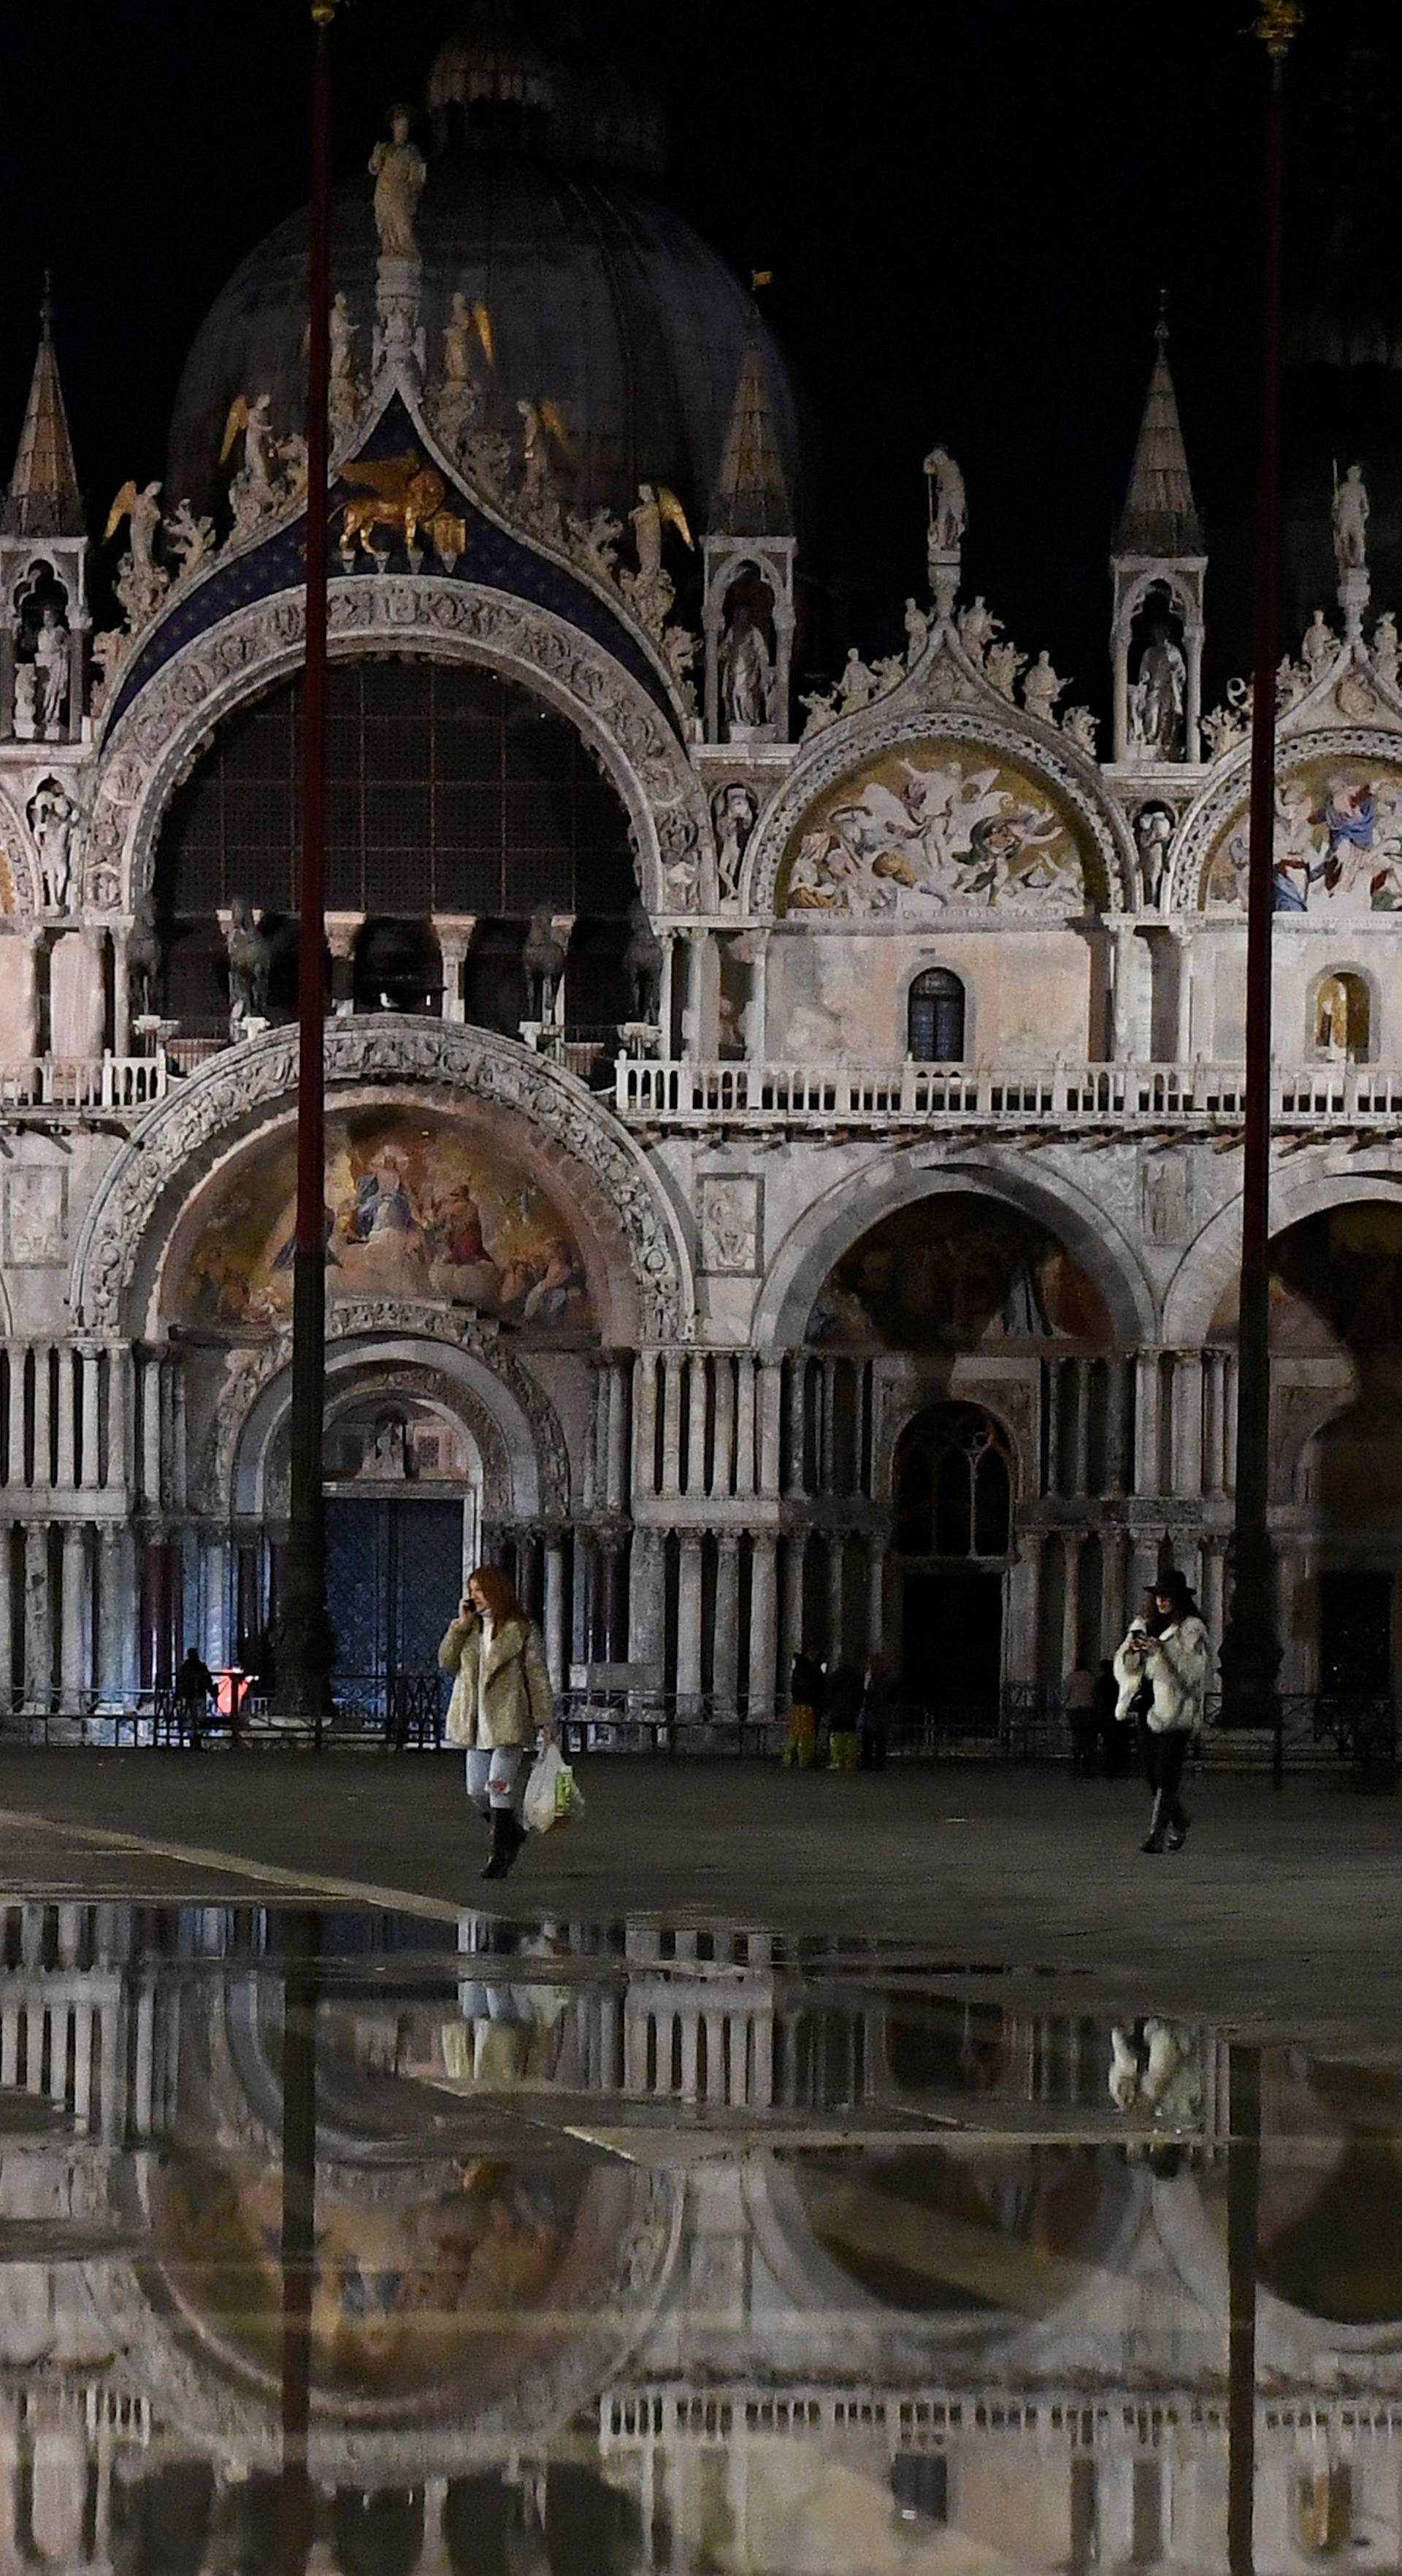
364	2241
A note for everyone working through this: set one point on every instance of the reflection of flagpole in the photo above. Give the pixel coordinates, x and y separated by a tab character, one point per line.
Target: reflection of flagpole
300	1935
1243	2225
1251	1646
307	1647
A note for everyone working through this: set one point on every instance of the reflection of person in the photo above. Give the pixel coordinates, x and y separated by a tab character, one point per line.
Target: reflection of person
844	1712
807	1691
1156	2066
501	1701
1171	1655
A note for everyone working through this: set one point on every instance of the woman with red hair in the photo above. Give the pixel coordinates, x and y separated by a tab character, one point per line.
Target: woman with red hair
501	1702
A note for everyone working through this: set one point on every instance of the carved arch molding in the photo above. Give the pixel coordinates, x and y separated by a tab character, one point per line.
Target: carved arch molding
373	1323
461	1064
156	742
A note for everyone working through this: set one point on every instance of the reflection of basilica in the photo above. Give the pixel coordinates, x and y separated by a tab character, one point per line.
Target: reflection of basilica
783	1157
644	2252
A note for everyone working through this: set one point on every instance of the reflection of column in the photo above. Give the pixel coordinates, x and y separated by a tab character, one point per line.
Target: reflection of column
763	1640
555	1655
645	1422
76	1617
771	1388
1146	1422
38	1618
689	1617
725	1675
745	1425
673	1365
723	1434
1187	1422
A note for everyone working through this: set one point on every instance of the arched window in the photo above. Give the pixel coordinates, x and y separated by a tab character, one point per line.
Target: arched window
953	1487
935	1020
1342	1015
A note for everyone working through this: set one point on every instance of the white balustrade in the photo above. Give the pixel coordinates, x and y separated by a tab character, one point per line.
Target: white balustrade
1205	1096
83	1085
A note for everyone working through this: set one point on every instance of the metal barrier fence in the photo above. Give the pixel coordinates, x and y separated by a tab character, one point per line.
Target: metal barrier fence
1351	1735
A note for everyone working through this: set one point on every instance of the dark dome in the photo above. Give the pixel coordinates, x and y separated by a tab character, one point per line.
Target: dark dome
601	299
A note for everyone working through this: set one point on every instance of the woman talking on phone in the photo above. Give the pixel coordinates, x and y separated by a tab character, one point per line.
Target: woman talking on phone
501	1702
1167	1659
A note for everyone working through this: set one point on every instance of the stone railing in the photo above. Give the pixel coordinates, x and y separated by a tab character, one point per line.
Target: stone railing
82	1085
1206	1096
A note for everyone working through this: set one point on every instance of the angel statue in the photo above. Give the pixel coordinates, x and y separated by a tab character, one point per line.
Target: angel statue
399	170
253	491
459	397
1351	521
343	395
650	590
949	509
141	580
543	438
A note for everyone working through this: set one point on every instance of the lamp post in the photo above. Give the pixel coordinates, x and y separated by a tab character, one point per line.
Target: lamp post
1250	1655
307	1646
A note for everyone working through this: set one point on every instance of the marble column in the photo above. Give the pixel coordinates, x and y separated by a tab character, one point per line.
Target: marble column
616	1455
725	1677
43	1414
152	1486
745	1424
1183	996
1080	1427
1212	1420
76	1621
453	947
1146	1422
673	1367
827	1426
876	1595
645	1368
646	1588
217	1649
1187	1423
90	1389
14	1413
791	1635
689	1617
723	1433
1072	1542
7	1637
1124	994
556	1657
763	1624
1024	1606
116	1613
771	1389
796	1408
1231	1370
1117	1409
119	1413
65	1424
837	1594
38	1619
696	1422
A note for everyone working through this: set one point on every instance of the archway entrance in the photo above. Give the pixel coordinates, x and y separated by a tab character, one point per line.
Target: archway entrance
952	1493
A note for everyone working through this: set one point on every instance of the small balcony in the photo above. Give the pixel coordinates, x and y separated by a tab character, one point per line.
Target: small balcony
1076	1098
96	1090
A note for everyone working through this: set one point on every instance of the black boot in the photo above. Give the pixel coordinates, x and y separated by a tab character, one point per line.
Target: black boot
507	1838
1154	1840
1178	1830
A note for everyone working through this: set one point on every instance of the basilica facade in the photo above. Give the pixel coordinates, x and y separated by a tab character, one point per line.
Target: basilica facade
784	1149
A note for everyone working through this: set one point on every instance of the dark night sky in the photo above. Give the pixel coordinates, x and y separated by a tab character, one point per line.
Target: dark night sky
970	213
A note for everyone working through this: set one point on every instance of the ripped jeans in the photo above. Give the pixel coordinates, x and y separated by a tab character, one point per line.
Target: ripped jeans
492	1774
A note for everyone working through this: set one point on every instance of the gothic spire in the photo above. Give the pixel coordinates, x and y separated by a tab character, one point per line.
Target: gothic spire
43	499
1160	515
751	496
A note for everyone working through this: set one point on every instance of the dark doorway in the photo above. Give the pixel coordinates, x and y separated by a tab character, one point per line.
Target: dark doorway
1355	1633
952	1638
393	1582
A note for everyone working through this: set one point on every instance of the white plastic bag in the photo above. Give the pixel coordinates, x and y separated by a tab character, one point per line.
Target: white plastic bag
551	1797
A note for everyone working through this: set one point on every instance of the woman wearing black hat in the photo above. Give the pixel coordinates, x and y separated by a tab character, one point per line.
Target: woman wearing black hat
1169	1653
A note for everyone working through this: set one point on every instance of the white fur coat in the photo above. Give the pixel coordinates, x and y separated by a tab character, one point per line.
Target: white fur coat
1177	1666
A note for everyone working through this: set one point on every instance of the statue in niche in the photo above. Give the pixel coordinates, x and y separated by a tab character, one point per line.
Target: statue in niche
26	701
949	508
1351	521
1159	696
1153	830
54	819
144	958
746	674
543	958
642	964
399	170
53	662
734	808
249	960
388	1453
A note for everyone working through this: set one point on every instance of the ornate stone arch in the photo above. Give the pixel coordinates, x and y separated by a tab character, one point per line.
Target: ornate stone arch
990	723
134	1211
1213	1257
832	1223
1225	792
159	737
499	1402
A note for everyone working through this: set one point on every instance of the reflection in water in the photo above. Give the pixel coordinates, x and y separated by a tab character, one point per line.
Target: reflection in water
637	2252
